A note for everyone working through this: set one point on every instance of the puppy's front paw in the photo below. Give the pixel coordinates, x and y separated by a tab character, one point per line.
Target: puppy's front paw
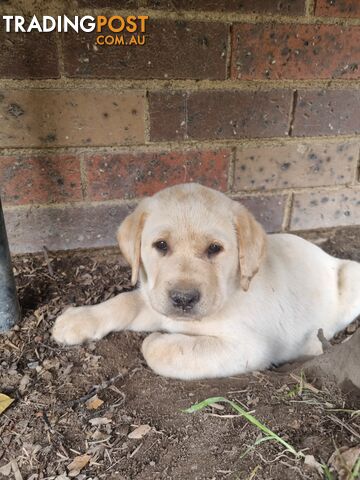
163	353
149	343
74	326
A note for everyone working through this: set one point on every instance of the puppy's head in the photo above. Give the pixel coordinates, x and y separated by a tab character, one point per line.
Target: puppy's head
191	247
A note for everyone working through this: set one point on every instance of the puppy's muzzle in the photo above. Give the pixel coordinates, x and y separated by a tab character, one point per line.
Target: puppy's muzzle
184	300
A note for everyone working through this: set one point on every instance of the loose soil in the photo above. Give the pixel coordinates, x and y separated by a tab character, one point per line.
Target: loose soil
51	423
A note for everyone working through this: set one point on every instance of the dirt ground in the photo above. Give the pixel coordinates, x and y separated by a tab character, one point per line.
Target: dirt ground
55	417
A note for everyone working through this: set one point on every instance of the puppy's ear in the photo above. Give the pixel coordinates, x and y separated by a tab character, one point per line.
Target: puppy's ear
129	238
251	244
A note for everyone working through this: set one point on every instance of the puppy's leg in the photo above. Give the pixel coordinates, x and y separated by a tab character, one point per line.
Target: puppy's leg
349	293
190	357
125	311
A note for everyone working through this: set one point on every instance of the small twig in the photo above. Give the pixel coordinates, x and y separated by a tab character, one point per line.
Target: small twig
297	469
224	416
346	426
149	447
306	385
95	389
324	341
132	454
95	442
48	424
46	420
115	463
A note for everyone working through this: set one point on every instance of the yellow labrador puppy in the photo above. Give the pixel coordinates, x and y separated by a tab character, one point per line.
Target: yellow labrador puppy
222	297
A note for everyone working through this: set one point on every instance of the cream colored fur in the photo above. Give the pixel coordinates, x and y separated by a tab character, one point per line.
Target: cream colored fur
262	297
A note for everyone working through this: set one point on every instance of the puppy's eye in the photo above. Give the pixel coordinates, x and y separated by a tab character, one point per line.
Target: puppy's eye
214	249
161	246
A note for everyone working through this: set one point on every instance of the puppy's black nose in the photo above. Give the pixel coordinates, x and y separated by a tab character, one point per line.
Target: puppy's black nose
184	299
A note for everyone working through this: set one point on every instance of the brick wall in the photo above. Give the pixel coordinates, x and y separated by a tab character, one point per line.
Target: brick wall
259	99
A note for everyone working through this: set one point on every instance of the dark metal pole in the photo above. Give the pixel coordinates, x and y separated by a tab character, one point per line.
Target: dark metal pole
9	304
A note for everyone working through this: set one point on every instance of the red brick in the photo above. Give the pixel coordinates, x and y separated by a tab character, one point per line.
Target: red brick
237	114
295	165
323	209
128	175
268	210
288	7
327	112
40	179
338	8
283	51
55	117
167	112
28	55
219	114
173	49
75	226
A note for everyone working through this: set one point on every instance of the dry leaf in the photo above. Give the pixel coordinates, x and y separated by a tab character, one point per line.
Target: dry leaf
313	464
51	363
35	476
5	402
24	383
78	464
343	461
6	470
97	435
94	402
16	471
140	432
100	421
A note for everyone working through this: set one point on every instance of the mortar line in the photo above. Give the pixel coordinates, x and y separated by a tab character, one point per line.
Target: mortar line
76	204
153	85
294	189
186	115
310	8
147	124
292	112
288	208
84	177
208	144
188	145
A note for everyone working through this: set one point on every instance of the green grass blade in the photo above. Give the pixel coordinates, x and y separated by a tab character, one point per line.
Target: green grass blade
201	405
252	447
356	470
250	418
262	440
327	473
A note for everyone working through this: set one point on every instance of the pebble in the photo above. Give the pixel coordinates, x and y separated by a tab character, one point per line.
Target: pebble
352	328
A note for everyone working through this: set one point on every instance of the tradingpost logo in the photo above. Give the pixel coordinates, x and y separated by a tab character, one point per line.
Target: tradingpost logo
114	30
